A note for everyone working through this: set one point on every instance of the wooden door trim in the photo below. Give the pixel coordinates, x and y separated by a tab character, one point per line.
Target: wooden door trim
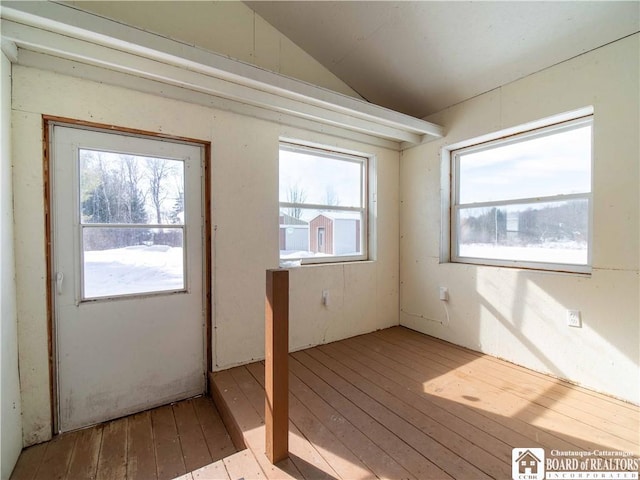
47	122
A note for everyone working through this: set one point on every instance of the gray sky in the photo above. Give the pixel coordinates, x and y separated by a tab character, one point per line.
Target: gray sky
544	166
317	176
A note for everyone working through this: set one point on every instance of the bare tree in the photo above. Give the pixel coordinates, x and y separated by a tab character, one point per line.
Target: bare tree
111	194
296	194
331	196
104	188
158	170
137	199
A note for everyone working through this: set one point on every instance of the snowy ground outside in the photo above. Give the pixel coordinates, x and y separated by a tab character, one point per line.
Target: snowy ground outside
568	252
291	258
156	268
295	254
136	269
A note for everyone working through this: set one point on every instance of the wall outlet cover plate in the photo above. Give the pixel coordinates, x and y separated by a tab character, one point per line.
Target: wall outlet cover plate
573	318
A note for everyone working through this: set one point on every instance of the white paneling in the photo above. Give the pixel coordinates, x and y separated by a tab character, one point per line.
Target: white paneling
244	178
228	28
11	441
520	315
28	198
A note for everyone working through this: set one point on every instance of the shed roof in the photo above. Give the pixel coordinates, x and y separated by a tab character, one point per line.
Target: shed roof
286	219
340	215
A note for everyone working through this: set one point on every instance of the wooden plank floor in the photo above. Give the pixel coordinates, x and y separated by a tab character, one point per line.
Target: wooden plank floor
185	440
399	404
391	404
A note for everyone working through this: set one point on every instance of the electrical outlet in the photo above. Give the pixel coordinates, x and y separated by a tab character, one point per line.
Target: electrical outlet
444	294
573	318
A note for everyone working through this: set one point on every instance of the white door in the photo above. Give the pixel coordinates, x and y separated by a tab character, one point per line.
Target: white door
127	273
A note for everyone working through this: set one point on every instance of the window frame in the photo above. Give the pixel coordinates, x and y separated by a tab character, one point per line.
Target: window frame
366	164
135	149
450	184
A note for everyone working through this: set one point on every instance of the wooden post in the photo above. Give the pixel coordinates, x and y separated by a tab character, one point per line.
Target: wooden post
276	383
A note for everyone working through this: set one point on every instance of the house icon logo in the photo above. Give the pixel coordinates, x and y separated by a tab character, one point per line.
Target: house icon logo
527	463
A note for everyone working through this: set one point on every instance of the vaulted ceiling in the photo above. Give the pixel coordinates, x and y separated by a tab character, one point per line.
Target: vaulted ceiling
420	57
413	57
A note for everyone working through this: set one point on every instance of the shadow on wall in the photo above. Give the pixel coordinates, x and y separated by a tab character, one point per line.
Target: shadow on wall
520	315
515	301
535	330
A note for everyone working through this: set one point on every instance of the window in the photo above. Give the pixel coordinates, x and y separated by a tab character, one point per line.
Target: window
323	205
132	224
525	200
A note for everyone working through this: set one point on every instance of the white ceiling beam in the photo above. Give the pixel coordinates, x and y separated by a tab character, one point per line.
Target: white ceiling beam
61	46
93	73
71	34
10	49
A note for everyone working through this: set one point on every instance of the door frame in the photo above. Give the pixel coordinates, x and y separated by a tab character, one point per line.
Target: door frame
48	121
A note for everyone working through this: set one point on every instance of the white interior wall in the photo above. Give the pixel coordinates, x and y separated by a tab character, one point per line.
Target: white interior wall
229	28
10	418
244	179
516	314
